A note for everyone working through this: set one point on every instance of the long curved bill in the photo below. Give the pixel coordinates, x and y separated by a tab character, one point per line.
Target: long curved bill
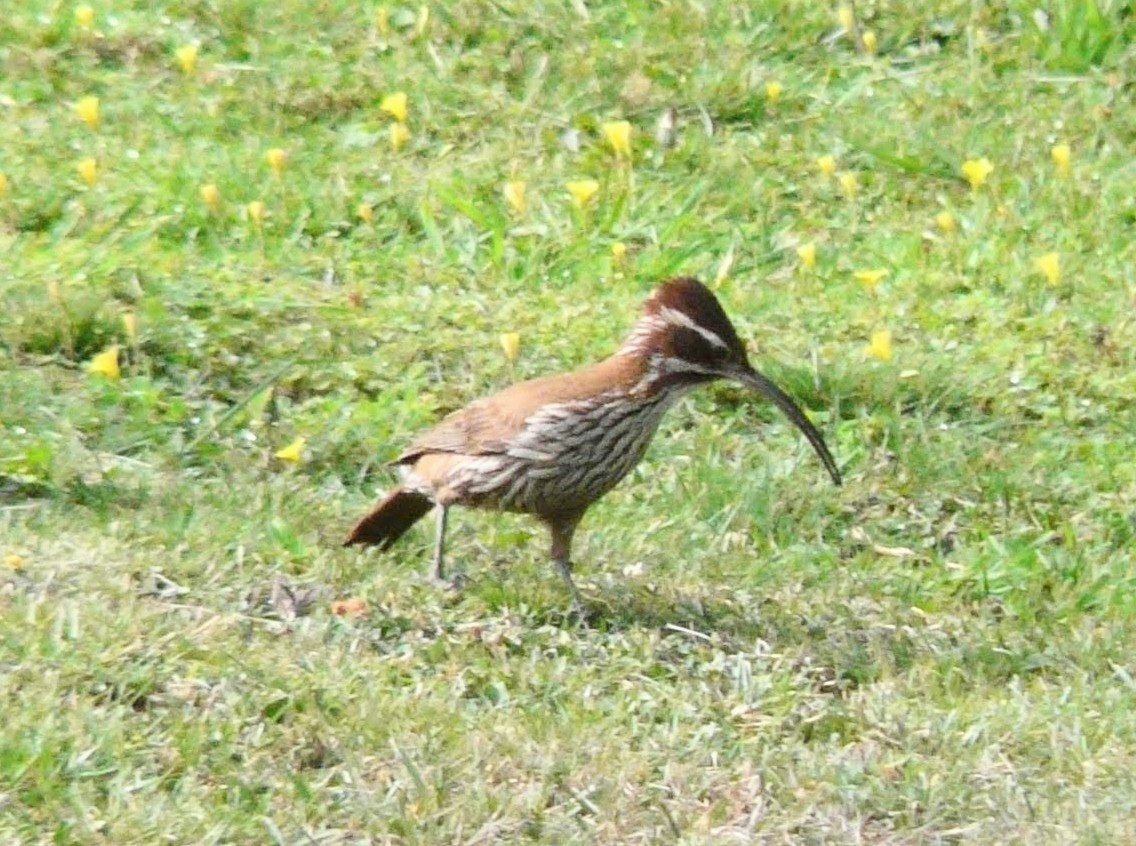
768	389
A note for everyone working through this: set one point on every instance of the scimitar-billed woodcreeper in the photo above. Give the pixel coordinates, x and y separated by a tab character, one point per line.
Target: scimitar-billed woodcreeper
552	446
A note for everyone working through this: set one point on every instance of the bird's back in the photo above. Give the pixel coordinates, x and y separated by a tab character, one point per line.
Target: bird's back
546	446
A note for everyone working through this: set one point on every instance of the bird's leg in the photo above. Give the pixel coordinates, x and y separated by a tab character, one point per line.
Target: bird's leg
563	527
440	543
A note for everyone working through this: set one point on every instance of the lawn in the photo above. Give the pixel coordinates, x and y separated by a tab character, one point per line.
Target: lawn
238	272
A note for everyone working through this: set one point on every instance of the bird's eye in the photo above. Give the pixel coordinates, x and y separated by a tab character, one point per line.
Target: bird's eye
691	346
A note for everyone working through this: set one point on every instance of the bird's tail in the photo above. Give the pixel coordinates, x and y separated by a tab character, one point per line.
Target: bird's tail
390	519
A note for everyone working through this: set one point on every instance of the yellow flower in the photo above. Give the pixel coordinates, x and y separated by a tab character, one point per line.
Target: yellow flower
88	170
618	135
422	21
946	222
16	562
85	16
514	192
582	191
3	182
1062	156
619	251
130	325
293	452
827	165
510	345
365	212
807	253
210	196
106	363
1049	265
186	57
255	211
870	279
846	17
382	20
976	171
275	159
399	135
773	90
870	43
880	345
395	106
848	184
88	110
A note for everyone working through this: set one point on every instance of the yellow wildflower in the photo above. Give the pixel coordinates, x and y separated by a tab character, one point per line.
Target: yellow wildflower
870	43
210	195
88	110
870	279
510	345
946	222
106	363
619	251
88	170
382	20
773	90
827	165
186	57
395	105
618	135
807	253
846	17
880	345
1049	265
3	182
1062	156
16	562
582	191
848	184
255	211
514	192
976	171
422	21
294	451
365	212
399	135
275	158
85	16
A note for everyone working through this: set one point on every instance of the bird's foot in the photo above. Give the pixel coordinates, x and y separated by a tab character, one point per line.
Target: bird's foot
457	582
580	614
453	582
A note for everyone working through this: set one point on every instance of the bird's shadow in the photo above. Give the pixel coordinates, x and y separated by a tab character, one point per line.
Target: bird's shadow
712	619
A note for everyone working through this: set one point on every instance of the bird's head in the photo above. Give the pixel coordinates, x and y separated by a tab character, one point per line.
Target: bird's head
686	339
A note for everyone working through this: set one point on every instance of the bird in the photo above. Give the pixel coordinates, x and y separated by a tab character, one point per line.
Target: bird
552	446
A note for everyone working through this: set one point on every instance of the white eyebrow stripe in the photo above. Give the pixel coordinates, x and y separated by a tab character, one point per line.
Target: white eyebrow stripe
678	318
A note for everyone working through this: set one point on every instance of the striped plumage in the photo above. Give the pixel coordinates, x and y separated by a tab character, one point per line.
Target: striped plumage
557	462
552	446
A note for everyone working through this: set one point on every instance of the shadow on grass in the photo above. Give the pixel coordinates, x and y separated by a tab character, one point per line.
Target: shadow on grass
713	619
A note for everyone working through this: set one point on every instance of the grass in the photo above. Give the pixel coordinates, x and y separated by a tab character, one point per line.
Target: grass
941	651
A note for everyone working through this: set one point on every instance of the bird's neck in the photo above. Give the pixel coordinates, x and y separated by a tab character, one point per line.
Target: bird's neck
642	355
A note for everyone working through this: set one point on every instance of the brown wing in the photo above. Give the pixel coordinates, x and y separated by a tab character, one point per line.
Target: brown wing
486	426
473	430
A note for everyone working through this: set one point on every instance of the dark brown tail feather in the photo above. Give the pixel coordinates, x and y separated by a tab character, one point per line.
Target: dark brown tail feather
390	519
